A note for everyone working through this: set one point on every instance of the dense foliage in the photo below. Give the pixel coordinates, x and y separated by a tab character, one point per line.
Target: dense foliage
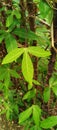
28	66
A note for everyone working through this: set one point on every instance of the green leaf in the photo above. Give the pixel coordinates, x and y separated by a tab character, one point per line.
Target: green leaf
46	94
51	81
38	51
30	94
13	73
7	79
11	42
47	14
13	55
36	82
25	34
34	127
27	67
16	1
49	122
17	14
1	38
36	114
25	115
2	32
30	85
43	37
3	111
9	20
2	73
55	90
1	86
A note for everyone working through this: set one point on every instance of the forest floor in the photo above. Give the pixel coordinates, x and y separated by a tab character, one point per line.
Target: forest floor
6	125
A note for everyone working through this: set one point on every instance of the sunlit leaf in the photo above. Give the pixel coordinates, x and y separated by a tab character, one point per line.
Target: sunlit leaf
36	82
13	55
55	89
30	94
49	122
25	115
9	20
17	14
36	114
27	67
38	51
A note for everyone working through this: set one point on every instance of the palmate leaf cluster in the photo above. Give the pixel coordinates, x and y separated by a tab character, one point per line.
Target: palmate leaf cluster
20	98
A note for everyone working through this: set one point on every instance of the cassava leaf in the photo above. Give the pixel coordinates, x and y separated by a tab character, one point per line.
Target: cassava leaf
13	55
25	115
30	94
25	34
27	67
9	20
13	73
36	114
49	122
38	51
55	90
11	42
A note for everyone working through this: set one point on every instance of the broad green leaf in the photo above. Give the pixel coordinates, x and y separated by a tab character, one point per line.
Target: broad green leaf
36	82
9	20
11	42
13	55
49	122
46	94
42	29
25	34
1	86
8	114
54	83
3	72
38	51
34	127
16	108
27	67
3	111
2	32
30	85
43	37
13	73
47	14
1	38
56	66
51	81
7	79
55	90
25	115
17	14
30	94
36	114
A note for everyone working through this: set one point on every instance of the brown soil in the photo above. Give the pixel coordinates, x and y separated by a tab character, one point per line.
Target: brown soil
6	125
